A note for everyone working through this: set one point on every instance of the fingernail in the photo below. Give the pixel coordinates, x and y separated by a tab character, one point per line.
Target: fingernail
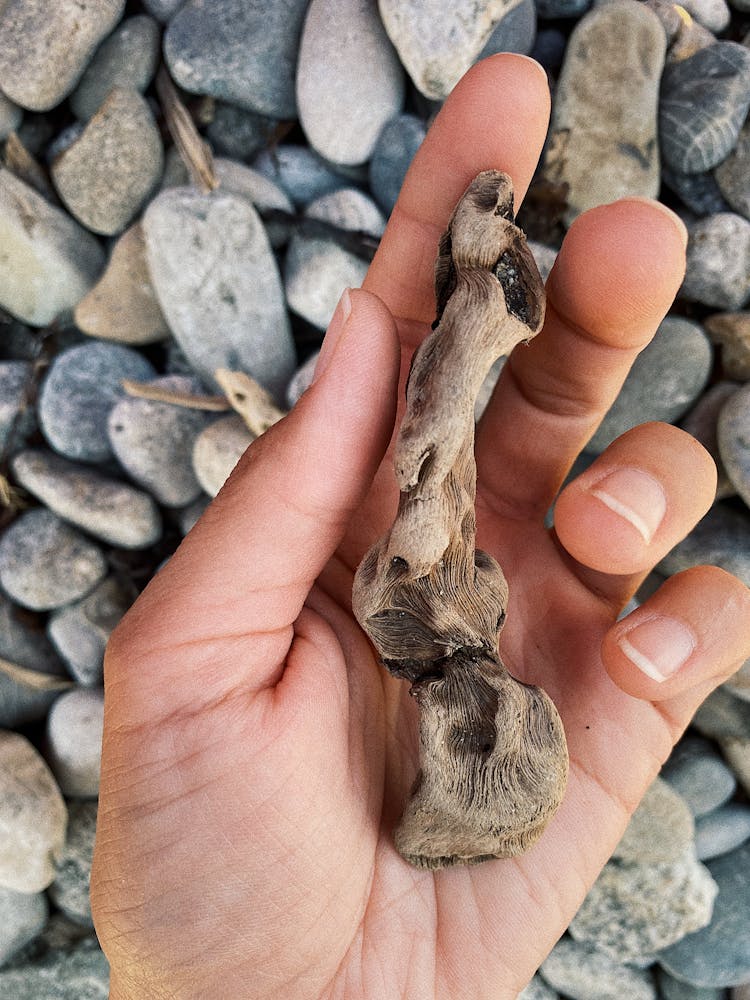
658	647
636	496
333	334
674	218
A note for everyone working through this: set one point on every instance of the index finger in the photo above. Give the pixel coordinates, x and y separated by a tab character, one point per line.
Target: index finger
495	118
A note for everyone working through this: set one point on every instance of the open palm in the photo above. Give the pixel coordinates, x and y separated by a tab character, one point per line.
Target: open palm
257	756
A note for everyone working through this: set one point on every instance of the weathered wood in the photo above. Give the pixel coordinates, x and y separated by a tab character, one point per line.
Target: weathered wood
493	757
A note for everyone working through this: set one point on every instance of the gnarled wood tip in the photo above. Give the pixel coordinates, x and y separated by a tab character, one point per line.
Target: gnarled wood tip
493	757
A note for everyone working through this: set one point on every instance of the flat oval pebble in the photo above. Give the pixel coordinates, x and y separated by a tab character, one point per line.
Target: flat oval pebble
394	150
712	14
215	48
341	109
672	989
722	830
719	954
265	194
81	387
733	175
633	910
699	775
603	143
300	172
218	285
238	133
153	441
74	741
583	972
16	416
26	646
699	192
47	261
723	716
660	830
218	449
22	917
70	889
80	631
665	380
438	43
701	422
739	682
737	754
105	176
562	8
45	563
128	58
718	261
163	10
733	434
33	817
731	330
112	511
514	32
45	47
122	305
721	538
81	973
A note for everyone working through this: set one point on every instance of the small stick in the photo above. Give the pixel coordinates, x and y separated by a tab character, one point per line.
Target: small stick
145	390
194	152
248	397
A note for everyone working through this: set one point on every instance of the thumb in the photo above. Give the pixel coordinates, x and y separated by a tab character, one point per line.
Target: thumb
249	563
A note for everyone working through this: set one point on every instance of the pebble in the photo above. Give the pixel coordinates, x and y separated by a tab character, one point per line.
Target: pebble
737	753
80	631
562	8
82	385
583	972
699	775
723	716
218	449
341	108
701	422
733	434
712	14
733	175
238	133
105	176
59	974
213	49
74	741
44	48
122	305
544	257
719	954
25	646
718	261
162	10
188	516
673	989
16	416
633	910
302	380
394	150
262	192
218	285
128	58
666	379
112	511
732	332
153	441
739	683
438	43
10	117
549	47
300	172
721	538
699	192
603	140
33	817
660	830
317	269
703	103
537	990
23	916
70	889
514	32
722	830
47	261
45	563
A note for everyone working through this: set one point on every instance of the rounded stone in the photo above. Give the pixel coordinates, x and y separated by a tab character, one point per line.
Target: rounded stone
583	972
81	387
240	51
703	104
665	380
701	423
603	142
153	441
218	449
47	261
394	150
74	741
562	8
45	563
721	538
672	989
718	261
660	830
238	133
737	754
10	117
722	830
733	175
723	716
44	48
739	683
17	419
341	109
128	58
23	643
699	775
262	192
733	434
514	32
105	176
302	380
112	511
300	172
218	285
719	954
80	631
70	889
712	14
188	516
163	10
77	973
33	817
699	192
731	331
23	916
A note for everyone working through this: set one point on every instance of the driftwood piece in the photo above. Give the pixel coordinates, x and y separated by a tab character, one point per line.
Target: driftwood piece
493	756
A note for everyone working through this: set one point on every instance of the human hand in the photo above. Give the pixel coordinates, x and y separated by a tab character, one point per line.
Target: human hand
256	756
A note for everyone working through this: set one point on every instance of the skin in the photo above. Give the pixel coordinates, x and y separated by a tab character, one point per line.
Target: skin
256	756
